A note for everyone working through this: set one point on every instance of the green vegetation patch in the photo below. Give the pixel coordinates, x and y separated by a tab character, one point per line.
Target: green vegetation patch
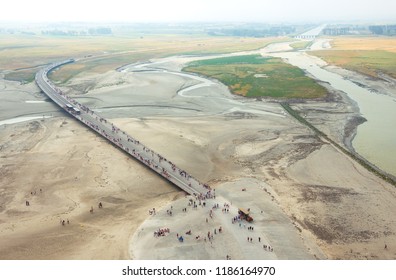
255	76
301	45
26	76
244	59
366	62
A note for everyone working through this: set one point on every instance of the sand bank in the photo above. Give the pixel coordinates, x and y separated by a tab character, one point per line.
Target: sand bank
273	234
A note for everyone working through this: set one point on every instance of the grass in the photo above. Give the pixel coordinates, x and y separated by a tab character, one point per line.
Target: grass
366	55
370	63
256	76
21	51
23	76
243	59
301	45
361	43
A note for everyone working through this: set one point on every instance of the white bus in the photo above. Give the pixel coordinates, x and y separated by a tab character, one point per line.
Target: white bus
76	111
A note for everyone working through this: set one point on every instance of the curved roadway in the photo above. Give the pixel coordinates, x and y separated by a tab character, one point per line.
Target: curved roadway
133	147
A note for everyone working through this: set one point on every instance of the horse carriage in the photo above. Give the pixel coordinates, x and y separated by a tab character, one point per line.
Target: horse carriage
245	214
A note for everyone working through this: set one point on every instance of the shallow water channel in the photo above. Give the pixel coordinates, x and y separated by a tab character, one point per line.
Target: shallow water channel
375	139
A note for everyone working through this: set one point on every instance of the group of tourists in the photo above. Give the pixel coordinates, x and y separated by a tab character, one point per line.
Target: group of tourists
268	248
164	167
265	247
64	222
200	200
146	156
226	208
152	211
161	232
33	193
237	219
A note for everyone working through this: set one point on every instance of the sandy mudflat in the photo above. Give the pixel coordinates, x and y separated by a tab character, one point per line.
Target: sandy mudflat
75	170
316	202
271	227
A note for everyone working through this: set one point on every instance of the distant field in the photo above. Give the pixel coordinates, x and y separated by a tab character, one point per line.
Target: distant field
301	45
20	52
24	76
366	55
364	43
254	76
97	65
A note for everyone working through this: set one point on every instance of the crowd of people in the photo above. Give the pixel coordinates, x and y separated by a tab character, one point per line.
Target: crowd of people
161	232
209	237
125	142
200	192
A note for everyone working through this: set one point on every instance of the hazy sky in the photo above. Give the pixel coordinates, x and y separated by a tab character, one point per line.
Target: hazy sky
198	10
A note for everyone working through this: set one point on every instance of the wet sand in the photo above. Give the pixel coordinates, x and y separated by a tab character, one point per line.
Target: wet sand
75	169
273	235
318	203
378	130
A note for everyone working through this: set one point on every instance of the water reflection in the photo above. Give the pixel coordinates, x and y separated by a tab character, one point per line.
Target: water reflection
376	138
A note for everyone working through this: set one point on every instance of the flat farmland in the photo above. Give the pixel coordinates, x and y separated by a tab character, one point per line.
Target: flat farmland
364	43
22	54
301	45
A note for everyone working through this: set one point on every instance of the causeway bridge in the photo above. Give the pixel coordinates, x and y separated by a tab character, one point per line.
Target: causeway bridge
311	34
118	137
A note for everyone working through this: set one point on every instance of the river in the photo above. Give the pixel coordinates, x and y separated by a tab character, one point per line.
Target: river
375	139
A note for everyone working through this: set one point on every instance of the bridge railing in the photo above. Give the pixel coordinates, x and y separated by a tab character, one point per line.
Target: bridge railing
186	182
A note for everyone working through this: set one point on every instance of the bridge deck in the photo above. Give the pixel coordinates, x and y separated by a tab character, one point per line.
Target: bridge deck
105	128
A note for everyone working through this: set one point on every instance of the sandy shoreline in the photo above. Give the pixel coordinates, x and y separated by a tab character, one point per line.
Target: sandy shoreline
319	203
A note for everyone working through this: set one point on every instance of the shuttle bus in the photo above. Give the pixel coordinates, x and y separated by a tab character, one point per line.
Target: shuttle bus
76	111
